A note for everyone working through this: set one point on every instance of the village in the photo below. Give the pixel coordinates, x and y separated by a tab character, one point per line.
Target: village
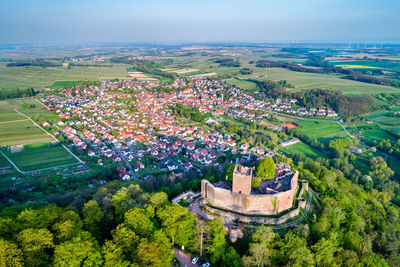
138	129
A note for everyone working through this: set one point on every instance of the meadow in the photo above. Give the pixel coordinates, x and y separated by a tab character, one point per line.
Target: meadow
243	84
304	149
323	131
389	123
40	156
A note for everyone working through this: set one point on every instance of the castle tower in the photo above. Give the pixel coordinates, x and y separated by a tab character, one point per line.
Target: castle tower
242	177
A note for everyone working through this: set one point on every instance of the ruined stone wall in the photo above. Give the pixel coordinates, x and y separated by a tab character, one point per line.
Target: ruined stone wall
243	218
242	181
269	204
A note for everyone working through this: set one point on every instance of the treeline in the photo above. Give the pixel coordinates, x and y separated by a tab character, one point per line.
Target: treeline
189	112
127	227
143	66
16	93
345	105
72	64
228	62
390	148
326	69
40	63
273	89
350	225
146	66
376	175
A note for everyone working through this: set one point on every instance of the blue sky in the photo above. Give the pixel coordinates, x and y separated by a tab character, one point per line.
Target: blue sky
74	21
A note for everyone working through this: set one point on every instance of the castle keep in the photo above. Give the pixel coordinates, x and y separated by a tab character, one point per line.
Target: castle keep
270	198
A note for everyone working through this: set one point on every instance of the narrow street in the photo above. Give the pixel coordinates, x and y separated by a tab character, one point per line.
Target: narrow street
116	150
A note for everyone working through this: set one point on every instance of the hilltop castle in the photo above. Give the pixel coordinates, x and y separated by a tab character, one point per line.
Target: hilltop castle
272	196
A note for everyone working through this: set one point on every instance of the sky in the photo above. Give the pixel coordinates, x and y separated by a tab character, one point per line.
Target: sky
171	21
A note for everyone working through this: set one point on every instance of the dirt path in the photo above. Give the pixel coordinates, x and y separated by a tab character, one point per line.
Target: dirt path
11	121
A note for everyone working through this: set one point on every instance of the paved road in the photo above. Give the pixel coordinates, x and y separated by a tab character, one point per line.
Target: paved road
345	129
180	167
12	163
195	207
116	150
183	258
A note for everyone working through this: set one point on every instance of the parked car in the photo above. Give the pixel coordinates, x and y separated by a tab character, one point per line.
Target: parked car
207	264
195	260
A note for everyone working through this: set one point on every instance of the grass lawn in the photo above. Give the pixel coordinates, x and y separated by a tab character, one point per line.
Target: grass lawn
302	80
376	135
240	83
304	149
40	156
323	131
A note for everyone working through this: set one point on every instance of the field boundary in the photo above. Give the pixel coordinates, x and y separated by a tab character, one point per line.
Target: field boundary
52	136
12	163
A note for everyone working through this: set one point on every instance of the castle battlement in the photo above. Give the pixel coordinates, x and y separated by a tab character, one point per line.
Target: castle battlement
271	197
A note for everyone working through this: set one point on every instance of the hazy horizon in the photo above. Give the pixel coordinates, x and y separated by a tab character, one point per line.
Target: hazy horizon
179	21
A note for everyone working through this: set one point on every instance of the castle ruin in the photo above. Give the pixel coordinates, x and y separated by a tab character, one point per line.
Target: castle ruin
271	197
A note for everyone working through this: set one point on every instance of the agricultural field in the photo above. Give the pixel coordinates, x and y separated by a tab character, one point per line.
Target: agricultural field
40	156
39	77
356	67
323	131
16	129
302	80
385	65
243	84
62	84
304	149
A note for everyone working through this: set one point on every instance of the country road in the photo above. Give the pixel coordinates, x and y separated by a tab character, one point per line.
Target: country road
345	129
52	136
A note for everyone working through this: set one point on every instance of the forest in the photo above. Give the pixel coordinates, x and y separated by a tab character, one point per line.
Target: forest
351	225
345	105
16	93
39	62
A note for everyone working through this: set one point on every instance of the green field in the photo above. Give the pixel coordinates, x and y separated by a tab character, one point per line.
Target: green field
323	131
302	80
240	83
40	156
16	129
376	135
304	149
386	65
61	84
389	123
38	77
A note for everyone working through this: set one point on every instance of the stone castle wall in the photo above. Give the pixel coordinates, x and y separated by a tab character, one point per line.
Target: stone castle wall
263	220
268	204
